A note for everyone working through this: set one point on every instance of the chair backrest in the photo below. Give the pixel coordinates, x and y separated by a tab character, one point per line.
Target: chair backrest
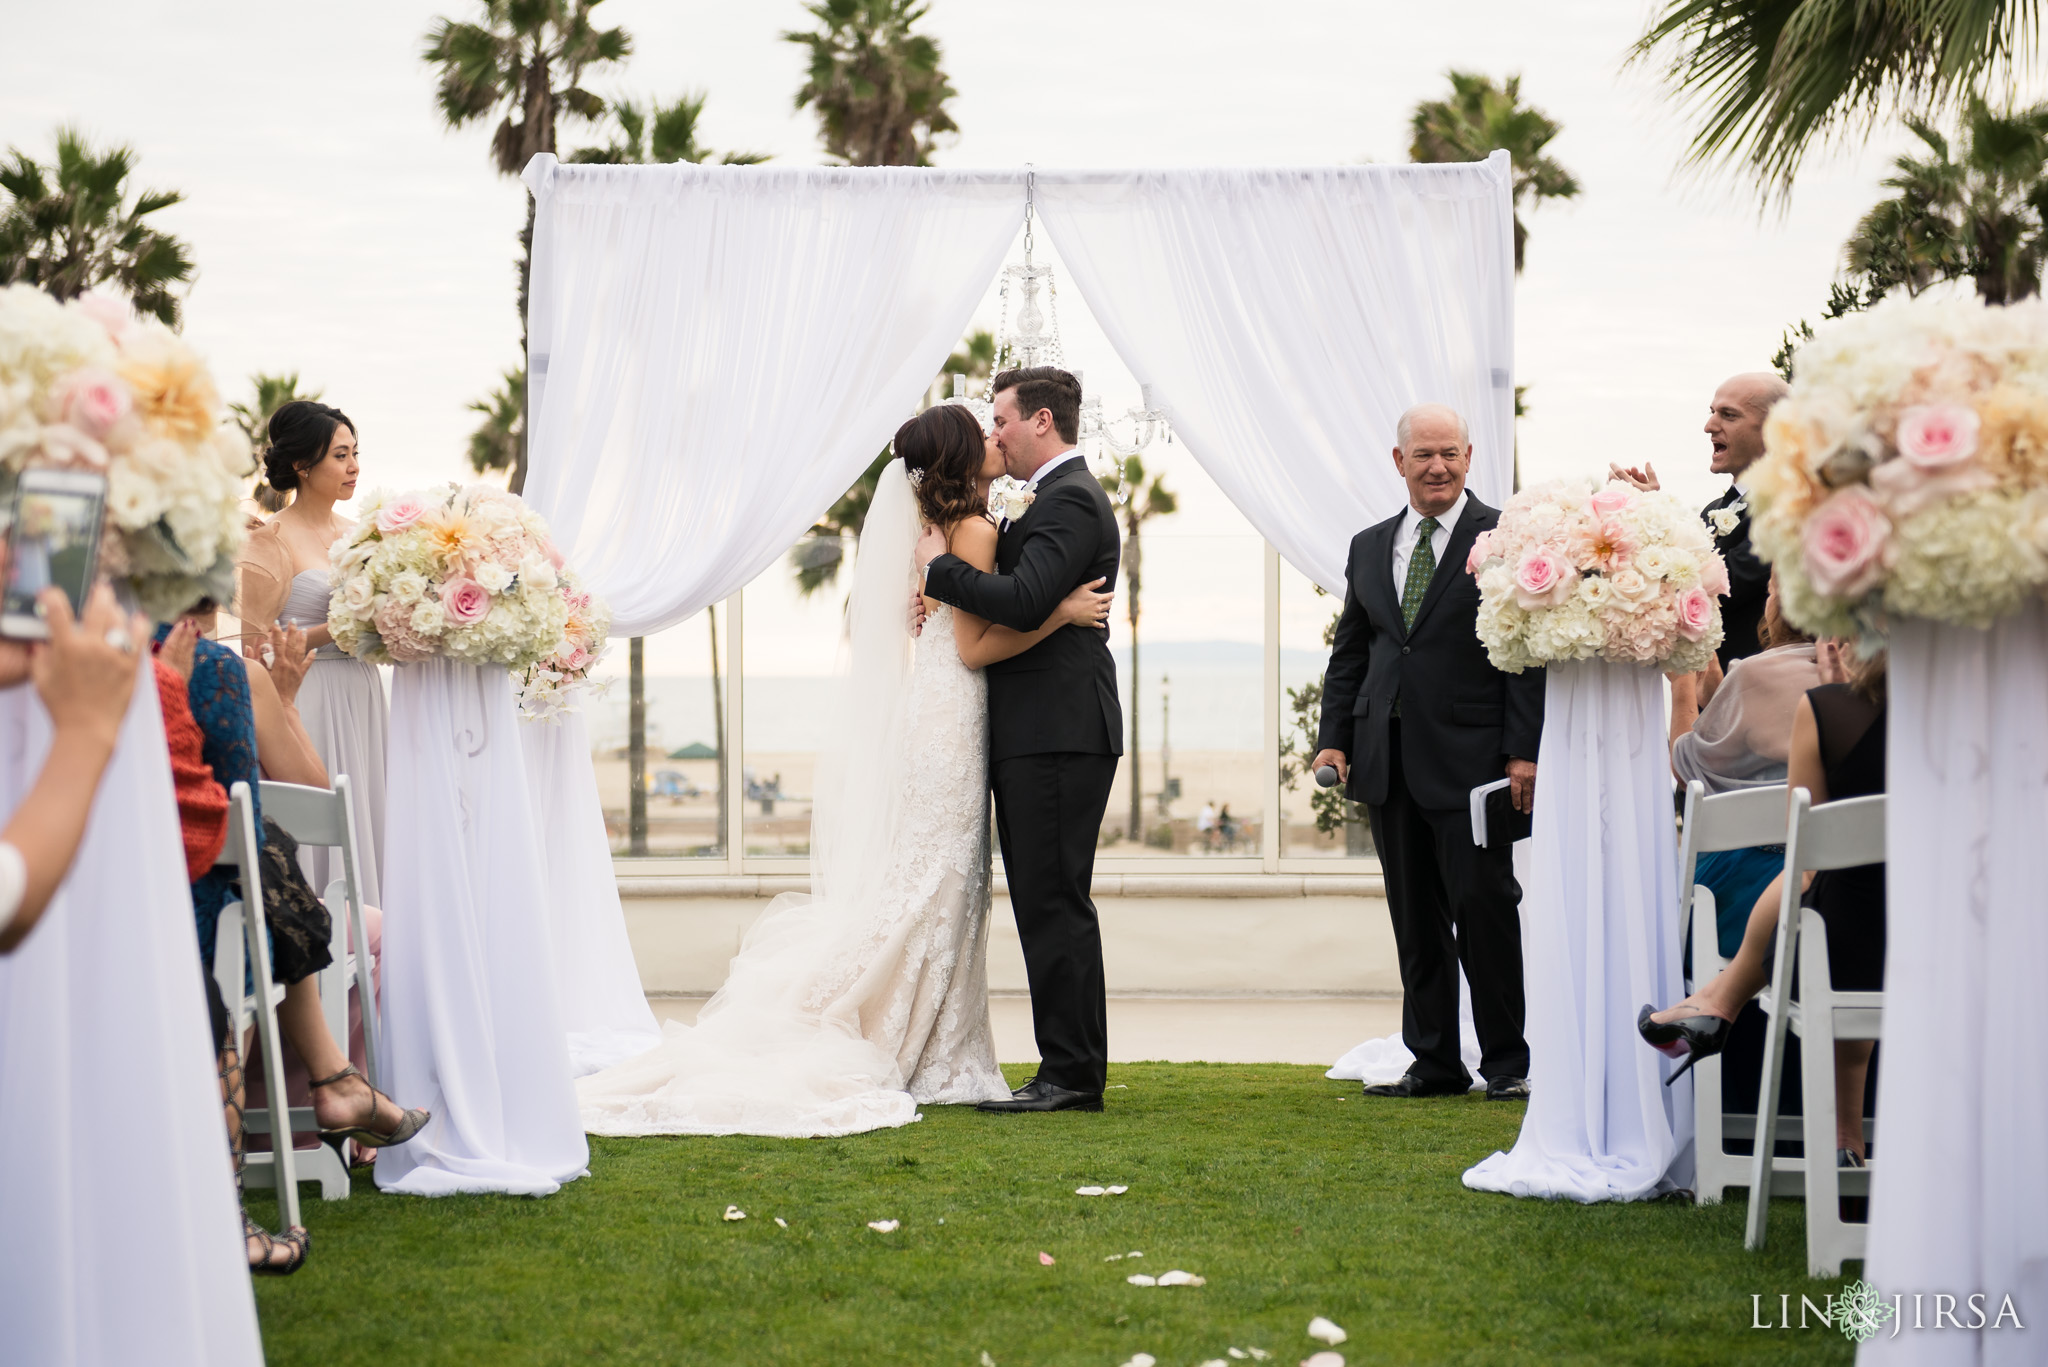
1726	821
1834	835
311	816
244	841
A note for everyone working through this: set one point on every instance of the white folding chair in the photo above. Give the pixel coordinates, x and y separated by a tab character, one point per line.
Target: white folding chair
1731	821
323	817
241	955
1834	835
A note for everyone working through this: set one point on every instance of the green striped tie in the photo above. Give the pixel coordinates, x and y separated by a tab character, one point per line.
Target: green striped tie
1421	569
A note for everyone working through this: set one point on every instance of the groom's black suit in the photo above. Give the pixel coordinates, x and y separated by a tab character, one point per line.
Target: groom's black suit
1055	731
1424	718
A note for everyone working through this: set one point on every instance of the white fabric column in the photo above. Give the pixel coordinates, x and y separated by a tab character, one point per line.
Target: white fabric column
472	1028
717	352
1286	318
1600	940
120	1237
604	1005
1959	1196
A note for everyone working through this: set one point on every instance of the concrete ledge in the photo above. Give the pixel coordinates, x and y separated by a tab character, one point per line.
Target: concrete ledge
1106	885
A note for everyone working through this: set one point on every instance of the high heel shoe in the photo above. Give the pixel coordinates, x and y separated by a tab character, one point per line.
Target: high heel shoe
1691	1038
294	1243
410	1122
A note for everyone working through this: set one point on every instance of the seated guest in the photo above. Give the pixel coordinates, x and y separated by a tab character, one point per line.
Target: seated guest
85	676
1740	739
1837	751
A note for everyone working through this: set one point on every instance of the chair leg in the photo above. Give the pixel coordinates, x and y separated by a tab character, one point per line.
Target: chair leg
273	1066
1817	1100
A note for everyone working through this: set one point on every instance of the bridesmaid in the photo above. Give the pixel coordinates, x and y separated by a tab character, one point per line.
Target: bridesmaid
283	578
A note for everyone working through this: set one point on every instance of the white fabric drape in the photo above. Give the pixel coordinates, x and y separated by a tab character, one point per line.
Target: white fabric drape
717	352
1958	1191
120	1239
1286	318
1600	940
472	1026
604	1007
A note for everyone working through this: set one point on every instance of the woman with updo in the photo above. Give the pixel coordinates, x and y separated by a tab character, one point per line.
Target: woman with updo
283	578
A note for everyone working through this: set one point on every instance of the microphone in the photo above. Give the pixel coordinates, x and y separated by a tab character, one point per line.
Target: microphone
1326	777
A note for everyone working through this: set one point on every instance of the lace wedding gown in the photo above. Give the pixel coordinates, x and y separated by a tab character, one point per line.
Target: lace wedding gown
843	1012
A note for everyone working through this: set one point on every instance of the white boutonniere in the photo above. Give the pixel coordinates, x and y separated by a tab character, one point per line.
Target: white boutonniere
1727	519
1009	499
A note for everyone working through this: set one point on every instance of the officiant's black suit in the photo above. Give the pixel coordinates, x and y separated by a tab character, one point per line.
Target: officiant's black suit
1749	582
1459	722
1055	731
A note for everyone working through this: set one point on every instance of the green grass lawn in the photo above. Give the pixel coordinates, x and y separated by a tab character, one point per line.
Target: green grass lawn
1291	1202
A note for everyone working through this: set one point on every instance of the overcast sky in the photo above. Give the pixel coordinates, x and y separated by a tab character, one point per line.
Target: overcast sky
342	233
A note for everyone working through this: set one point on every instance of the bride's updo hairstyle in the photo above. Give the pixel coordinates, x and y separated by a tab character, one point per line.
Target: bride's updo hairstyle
300	432
942	450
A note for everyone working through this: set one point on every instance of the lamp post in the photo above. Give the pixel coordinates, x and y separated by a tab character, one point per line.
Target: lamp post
1165	745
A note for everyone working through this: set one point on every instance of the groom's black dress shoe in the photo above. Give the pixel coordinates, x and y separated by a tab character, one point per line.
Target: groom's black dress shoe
1411	1085
1038	1095
1507	1089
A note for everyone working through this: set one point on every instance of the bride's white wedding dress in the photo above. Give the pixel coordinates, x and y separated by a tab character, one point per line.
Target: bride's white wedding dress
844	1011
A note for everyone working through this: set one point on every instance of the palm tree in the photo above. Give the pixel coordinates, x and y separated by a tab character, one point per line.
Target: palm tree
272	392
660	133
71	226
525	59
878	88
1141	503
1481	116
1770	80
496	443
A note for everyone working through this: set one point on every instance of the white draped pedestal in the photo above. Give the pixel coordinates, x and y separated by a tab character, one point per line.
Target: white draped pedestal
1959	1195
120	1239
1600	939
472	1029
604	1006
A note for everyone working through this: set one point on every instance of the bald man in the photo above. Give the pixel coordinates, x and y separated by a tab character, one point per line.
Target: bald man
1414	718
1735	431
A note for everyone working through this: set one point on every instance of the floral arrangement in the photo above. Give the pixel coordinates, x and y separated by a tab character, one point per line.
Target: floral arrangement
1907	472
553	686
464	573
86	385
1580	571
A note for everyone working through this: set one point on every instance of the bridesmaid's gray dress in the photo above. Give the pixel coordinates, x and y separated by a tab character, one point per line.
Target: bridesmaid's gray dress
343	706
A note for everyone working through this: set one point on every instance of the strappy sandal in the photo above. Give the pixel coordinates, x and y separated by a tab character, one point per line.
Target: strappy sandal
295	1241
410	1121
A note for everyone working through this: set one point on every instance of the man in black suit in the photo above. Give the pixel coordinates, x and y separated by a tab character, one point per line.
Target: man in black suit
1414	718
1055	727
1735	429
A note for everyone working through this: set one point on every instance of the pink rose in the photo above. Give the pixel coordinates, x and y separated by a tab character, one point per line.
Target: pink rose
400	513
1714	574
577	660
1847	543
1903	488
465	601
1695	613
1544	579
110	313
92	401
1610	500
1935	436
555	557
1480	551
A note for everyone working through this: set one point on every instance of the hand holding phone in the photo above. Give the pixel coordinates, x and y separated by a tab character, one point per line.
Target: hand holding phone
53	541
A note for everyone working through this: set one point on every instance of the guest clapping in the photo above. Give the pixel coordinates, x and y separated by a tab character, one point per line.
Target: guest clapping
1837	751
1735	431
85	675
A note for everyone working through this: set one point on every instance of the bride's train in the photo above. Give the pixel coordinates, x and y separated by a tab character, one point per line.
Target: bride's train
843	1012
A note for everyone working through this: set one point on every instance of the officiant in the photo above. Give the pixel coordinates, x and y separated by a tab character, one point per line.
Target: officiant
1414	718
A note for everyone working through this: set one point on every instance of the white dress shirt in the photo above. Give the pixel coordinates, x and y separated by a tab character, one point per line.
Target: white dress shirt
1439	540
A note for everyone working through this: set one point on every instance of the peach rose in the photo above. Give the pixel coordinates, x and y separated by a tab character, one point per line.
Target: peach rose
1937	435
465	601
1847	543
400	513
1695	613
1544	579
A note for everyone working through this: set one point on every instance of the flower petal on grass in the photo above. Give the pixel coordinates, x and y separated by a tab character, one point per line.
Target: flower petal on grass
781	1223
1261	1354
1045	1259
1238	1353
1323	1330
1115	1191
986	1360
735	1213
1140	1279
1215	1362
1087	1191
1180	1278
1324	1360
1114	1258
891	1226
1142	1360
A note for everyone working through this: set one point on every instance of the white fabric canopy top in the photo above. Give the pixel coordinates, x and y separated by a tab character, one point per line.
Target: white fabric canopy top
718	351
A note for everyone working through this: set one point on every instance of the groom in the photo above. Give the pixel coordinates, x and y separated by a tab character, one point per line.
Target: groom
1055	728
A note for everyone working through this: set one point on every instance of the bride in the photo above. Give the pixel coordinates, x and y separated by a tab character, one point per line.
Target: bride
845	1010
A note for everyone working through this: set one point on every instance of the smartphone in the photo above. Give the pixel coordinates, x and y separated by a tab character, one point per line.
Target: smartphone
53	539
